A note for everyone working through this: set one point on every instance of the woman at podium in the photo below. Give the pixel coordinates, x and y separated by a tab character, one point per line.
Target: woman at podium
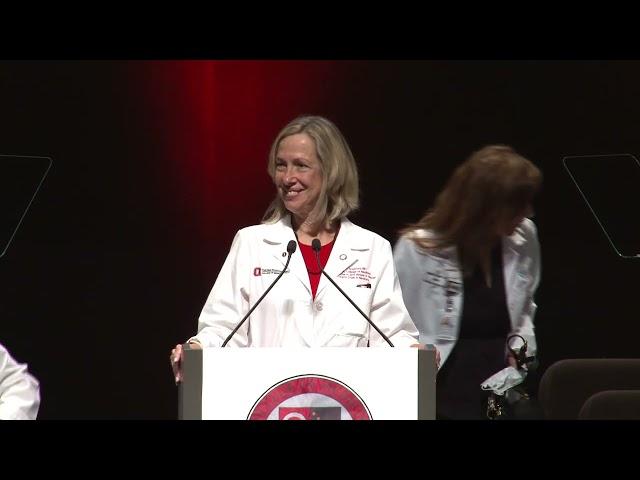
309	260
469	269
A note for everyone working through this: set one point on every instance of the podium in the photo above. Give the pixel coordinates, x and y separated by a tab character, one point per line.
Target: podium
308	384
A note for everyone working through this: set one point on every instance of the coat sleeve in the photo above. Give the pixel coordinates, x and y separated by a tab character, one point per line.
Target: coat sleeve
388	311
408	264
19	390
525	325
228	300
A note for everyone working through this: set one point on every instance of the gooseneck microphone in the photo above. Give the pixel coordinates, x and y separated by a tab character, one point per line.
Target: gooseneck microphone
315	245
291	248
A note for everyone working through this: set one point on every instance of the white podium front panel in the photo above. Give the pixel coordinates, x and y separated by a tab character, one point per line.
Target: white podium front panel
239	382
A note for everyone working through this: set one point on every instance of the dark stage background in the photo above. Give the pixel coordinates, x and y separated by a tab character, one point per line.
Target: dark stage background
156	164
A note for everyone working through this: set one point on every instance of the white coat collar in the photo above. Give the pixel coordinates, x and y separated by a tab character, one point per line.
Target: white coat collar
349	245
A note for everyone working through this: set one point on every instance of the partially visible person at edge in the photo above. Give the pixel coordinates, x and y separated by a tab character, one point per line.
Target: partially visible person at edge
316	180
19	390
469	269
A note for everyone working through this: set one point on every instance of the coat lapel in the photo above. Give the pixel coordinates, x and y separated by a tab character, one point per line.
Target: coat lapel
344	254
278	237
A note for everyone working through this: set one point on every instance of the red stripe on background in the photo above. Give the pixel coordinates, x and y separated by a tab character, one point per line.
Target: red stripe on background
215	121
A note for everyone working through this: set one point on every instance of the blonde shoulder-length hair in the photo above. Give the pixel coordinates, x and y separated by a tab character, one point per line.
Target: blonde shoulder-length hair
339	191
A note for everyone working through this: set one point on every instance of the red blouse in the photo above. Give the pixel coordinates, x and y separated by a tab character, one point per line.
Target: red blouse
312	265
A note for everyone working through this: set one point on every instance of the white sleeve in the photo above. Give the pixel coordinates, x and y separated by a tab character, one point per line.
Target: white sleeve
19	390
525	325
408	264
388	311
228	301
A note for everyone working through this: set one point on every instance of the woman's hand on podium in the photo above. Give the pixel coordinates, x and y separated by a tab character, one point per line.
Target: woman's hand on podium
176	357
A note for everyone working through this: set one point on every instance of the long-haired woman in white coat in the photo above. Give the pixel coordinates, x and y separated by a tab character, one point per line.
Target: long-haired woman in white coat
469	269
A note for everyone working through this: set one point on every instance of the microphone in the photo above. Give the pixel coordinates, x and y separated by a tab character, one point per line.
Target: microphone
291	247
315	245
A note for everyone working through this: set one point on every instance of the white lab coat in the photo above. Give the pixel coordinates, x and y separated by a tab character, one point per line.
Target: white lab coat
19	390
427	279
361	262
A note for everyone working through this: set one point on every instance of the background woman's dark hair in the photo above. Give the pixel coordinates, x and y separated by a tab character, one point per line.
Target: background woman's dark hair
493	185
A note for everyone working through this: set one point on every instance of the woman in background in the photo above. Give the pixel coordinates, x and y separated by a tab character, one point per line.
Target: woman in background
469	269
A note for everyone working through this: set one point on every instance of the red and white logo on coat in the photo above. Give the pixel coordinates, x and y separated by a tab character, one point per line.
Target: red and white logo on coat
310	397
259	271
